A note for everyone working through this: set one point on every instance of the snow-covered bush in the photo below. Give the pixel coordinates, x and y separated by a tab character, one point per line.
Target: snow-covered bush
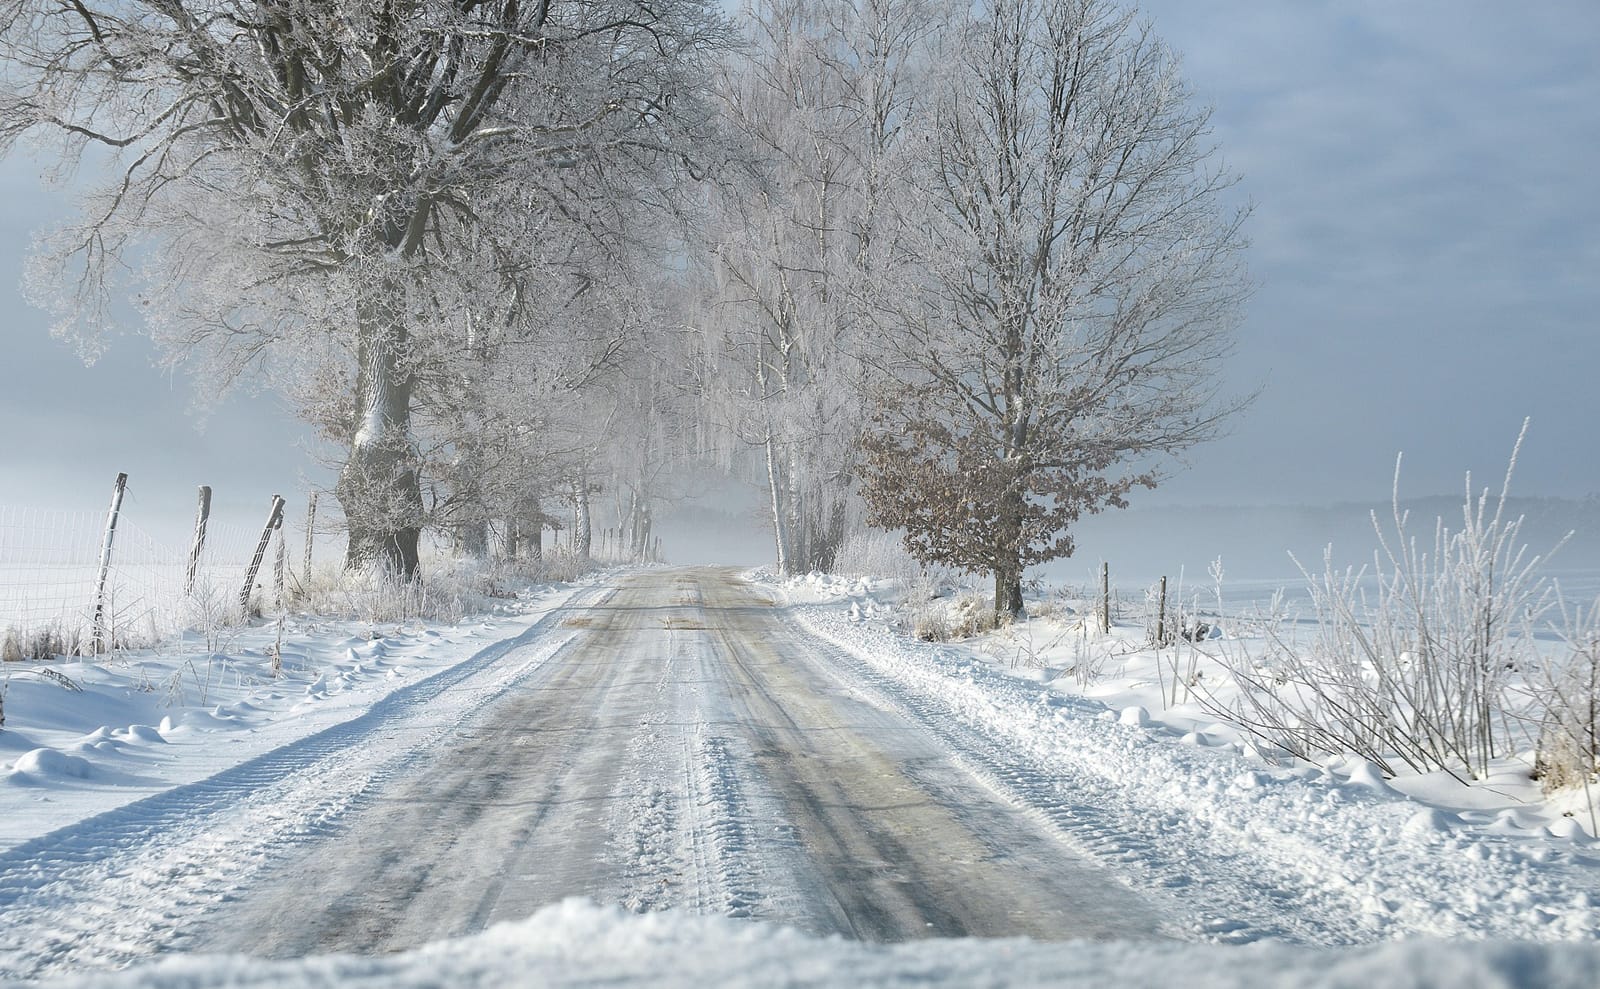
1567	705
929	620
925	604
1409	662
973	614
214	614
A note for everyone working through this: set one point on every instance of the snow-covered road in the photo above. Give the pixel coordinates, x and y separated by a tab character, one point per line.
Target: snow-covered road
683	748
669	740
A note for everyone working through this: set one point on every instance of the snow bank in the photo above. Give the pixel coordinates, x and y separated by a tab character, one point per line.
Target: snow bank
85	737
579	944
45	764
1249	850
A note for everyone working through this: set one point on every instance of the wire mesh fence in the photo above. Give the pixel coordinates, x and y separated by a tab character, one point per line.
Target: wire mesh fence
79	583
62	593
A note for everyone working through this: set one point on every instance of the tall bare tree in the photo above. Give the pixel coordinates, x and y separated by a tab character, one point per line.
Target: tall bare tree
818	101
1079	283
294	176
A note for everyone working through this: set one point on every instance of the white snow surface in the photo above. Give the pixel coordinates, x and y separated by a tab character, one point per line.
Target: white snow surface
1296	875
1295	853
85	738
580	944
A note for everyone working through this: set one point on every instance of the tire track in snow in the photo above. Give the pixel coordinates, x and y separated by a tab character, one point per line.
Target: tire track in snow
687	815
907	844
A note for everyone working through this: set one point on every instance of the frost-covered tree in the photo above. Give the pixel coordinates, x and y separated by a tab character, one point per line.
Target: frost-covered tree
1080	279
817	102
507	414
292	180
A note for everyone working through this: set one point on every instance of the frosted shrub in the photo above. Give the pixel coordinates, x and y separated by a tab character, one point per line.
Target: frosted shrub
928	621
1411	661
214	614
1567	705
438	594
558	567
876	553
973	614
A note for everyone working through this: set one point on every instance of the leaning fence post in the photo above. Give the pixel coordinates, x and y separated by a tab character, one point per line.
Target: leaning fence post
274	519
311	527
98	643
1105	596
202	514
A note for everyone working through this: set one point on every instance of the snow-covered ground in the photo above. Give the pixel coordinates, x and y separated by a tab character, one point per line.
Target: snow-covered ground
576	944
1190	804
1289	874
84	738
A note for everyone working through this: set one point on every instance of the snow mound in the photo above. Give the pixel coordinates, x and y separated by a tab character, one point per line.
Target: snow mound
1426	824
145	733
49	764
579	944
1134	717
1368	776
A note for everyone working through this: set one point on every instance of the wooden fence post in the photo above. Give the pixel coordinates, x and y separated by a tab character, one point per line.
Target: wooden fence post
98	643
1161	615
1105	596
311	527
202	515
274	519
279	565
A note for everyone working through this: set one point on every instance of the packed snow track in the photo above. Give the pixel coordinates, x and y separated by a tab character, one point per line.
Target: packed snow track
669	741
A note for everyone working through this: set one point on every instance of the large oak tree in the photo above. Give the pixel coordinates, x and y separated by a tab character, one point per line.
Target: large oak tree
1079	279
293	181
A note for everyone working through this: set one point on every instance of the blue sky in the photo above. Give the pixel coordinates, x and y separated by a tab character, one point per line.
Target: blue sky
1426	239
1426	181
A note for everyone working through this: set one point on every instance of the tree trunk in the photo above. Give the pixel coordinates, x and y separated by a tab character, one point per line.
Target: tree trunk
799	521
1008	576
531	526
378	487
831	538
582	518
635	525
780	528
508	541
1008	594
472	539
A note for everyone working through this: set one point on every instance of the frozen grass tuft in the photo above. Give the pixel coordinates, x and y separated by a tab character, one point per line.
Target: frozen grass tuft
447	590
40	645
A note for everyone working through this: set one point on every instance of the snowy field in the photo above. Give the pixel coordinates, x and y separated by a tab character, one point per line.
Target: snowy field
1287	873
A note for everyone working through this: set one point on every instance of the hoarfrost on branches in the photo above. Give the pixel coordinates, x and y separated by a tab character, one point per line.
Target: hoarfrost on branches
1080	281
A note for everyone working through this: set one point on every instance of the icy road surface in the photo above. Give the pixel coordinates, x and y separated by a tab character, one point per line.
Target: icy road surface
669	742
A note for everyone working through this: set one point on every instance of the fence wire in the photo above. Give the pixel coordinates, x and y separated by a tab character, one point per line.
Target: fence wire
50	580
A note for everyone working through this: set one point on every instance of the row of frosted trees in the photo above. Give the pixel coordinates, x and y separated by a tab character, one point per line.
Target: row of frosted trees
961	270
